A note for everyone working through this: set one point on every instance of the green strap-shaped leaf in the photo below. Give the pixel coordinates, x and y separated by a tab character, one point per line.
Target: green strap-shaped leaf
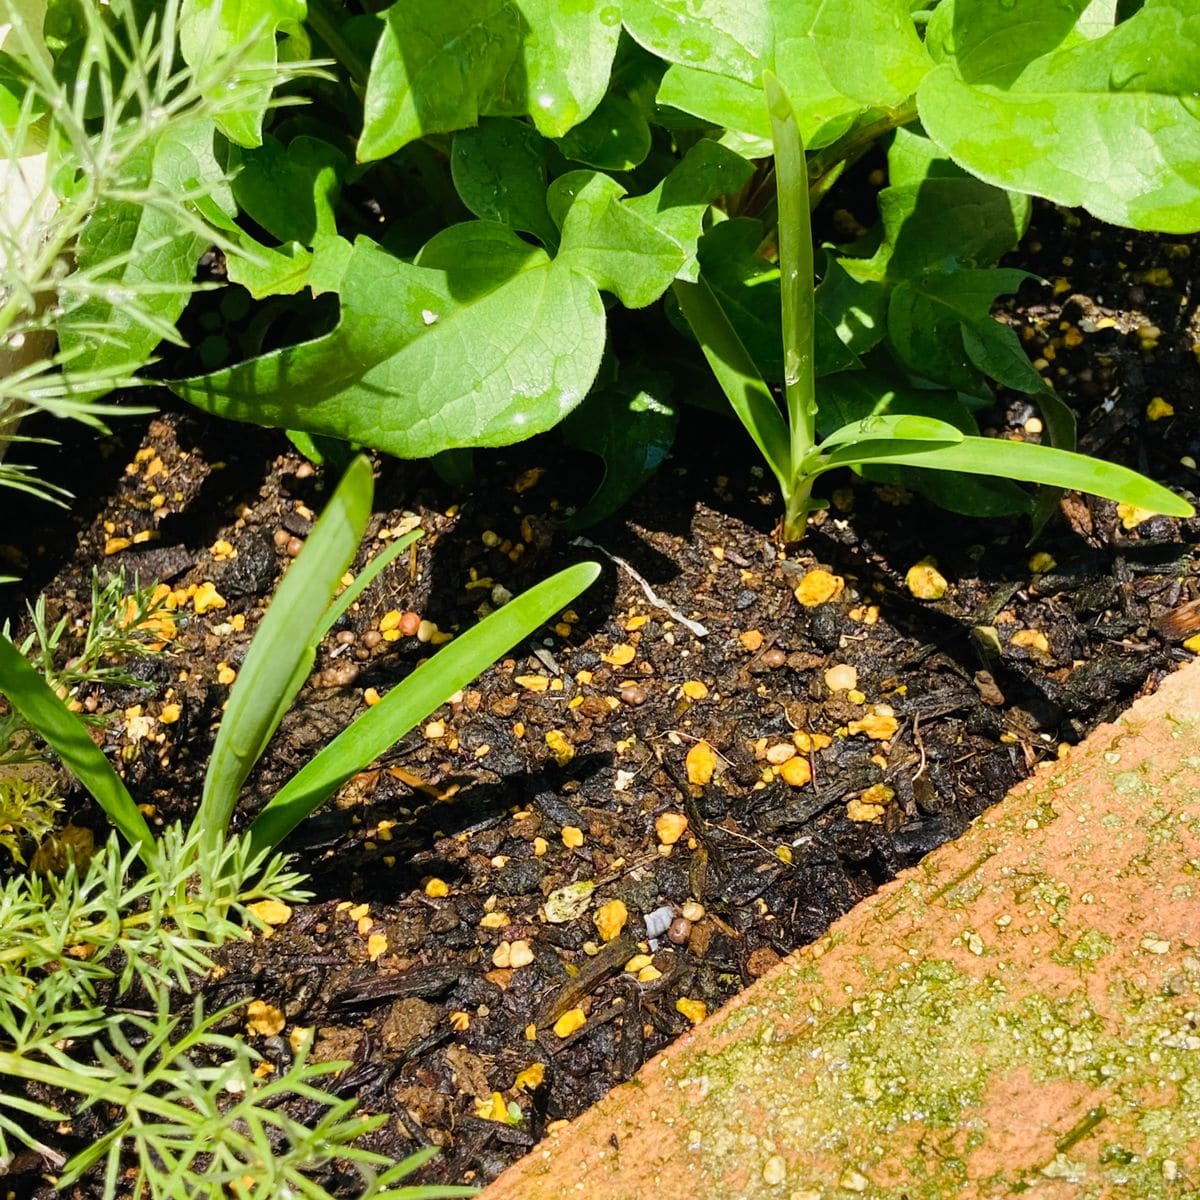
739	378
67	736
895	426
282	652
453	667
1019	460
797	297
1024	100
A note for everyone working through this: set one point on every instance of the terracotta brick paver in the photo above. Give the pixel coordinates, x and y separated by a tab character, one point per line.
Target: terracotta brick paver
1018	1015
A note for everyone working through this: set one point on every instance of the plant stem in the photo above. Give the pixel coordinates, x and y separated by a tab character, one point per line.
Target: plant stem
826	165
322	25
795	513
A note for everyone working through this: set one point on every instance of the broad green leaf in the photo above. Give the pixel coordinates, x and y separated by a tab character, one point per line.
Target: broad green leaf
611	244
431	684
935	214
927	318
1097	19
330	258
739	378
833	57
677	206
635	246
270	271
868	52
21	28
68	737
991	44
1024	461
291	191
856	309
747	287
437	68
630	424
483	341
1107	123
616	137
213	31
720	37
567	54
148	251
499	170
719	100
284	647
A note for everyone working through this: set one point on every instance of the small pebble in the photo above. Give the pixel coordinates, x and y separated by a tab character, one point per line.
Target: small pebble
633	696
925	581
345	637
774	658
796	772
760	960
692	911
610	919
293	547
841	678
281	538
670	827
372	638
341	674
679	930
774	1170
778	754
658	921
304	471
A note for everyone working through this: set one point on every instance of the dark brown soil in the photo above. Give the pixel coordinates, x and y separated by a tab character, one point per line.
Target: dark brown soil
480	801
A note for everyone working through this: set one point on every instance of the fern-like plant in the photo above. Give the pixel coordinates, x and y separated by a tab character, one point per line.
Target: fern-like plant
107	166
88	964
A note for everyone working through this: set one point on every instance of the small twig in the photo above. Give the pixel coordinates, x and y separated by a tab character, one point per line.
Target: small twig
920	745
693	627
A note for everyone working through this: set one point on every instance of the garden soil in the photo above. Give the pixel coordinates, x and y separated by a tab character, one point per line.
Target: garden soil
602	839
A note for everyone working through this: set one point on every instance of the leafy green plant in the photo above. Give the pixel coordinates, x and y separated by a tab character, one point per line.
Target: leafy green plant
108	160
525	170
885	426
196	1116
29	809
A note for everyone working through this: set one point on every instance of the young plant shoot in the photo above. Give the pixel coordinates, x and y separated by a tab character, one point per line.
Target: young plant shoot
889	426
279	661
